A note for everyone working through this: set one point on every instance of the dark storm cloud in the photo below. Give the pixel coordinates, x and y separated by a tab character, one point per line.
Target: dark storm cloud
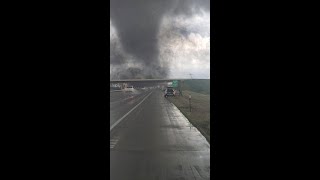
137	23
117	57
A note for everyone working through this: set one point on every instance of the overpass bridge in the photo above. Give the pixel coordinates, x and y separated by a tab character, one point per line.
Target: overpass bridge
150	80
122	83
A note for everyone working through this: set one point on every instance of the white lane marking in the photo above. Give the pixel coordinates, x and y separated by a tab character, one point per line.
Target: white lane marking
118	121
116	91
113	142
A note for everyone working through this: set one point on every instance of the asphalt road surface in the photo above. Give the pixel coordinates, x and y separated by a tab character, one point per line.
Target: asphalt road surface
151	139
123	102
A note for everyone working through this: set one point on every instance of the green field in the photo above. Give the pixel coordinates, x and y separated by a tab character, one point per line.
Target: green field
199	86
200	103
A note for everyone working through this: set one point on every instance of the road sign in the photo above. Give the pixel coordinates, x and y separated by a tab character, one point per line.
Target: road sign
174	83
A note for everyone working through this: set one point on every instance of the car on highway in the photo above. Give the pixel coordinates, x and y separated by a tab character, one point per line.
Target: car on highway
129	89
169	92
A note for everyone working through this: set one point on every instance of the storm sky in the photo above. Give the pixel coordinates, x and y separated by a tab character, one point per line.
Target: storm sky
159	39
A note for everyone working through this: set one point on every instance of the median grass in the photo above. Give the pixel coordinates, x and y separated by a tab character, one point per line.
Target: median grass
200	111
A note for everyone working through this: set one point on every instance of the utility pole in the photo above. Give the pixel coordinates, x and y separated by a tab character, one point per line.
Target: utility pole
190	102
180	82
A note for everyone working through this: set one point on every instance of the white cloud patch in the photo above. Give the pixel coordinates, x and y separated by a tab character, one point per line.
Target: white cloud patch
185	44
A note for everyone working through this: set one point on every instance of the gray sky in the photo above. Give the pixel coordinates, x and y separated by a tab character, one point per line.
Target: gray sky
157	40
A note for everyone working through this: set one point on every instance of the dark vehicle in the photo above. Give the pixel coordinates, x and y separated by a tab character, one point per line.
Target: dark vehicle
169	92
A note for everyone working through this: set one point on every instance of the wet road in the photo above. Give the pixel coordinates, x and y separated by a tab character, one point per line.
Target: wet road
122	102
155	141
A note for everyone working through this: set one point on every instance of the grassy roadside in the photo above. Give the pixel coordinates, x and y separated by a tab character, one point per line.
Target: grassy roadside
200	113
199	86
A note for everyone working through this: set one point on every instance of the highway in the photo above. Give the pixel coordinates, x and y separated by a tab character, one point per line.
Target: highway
123	102
151	139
